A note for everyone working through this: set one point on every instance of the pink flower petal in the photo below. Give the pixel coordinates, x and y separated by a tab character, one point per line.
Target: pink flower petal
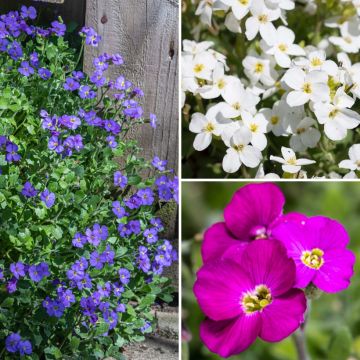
230	337
217	240
292	217
283	316
252	206
267	262
219	288
235	252
336	272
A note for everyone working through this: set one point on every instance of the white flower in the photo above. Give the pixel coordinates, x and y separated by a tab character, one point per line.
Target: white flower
206	126
205	10
281	46
261	20
316	60
258	126
260	174
290	163
311	86
305	135
282	4
194	48
202	65
220	82
353	163
240	152
349	41
260	69
336	117
239	8
237	100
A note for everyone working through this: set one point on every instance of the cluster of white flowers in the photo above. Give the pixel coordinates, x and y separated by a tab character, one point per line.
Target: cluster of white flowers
311	95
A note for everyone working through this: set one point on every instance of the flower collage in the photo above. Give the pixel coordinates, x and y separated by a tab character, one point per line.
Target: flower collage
179	180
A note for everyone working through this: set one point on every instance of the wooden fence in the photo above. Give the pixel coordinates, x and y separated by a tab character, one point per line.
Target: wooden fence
145	33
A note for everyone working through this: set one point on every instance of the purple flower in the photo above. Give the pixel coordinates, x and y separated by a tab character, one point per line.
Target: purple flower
117	59
151	235
144	263
132	109
67	298
318	247
112	126
92	38
124	275
45	73
12	285
111	142
28	12
118	210
145	327
24	348
121	83
71	84
12	342
38	272
146	195
153	120
28	190
58	28
93	237
96	260
157	223
111	318
34	59
85	92
17	269
77	75
159	164
54	307
117	289
75	273
12	155
79	240
250	215
25	69
100	63
120	180
84	283
135	226
55	144
108	255
48	198
97	78
134	202
70	121
121	308
15	51
251	302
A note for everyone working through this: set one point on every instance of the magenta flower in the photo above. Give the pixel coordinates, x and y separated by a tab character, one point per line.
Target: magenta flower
257	298
318	247
249	216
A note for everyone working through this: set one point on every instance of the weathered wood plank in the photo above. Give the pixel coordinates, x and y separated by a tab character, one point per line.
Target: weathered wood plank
145	33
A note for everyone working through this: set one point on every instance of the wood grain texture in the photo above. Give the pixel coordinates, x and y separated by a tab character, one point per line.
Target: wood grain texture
145	33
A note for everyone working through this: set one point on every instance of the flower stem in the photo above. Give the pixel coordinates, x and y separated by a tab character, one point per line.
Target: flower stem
300	343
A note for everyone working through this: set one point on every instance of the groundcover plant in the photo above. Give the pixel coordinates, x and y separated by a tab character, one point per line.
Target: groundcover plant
271	88
274	264
82	254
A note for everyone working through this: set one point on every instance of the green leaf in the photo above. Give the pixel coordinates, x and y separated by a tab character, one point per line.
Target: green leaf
74	343
7	303
147	301
340	344
101	328
55	351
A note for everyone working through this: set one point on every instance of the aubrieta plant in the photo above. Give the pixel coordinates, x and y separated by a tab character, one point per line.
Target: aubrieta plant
274	265
280	96
81	247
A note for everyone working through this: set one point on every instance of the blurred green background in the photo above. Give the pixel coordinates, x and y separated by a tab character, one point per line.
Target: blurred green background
333	328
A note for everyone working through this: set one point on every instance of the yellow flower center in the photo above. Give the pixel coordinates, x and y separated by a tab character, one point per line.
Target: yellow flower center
333	113
199	68
259	68
313	259
348	39
307	88
221	84
274	120
263	18
316	61
256	300
292	161
244	2
283	47
300	130
236	106
209	127
238	148
254	127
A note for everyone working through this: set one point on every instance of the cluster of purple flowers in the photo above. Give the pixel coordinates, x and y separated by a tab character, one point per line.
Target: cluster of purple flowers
14	344
168	189
92	236
268	259
19	270
11	149
47	197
